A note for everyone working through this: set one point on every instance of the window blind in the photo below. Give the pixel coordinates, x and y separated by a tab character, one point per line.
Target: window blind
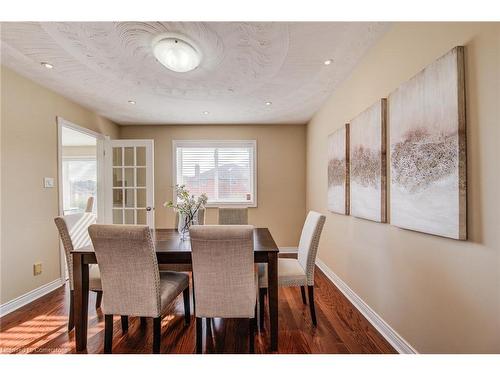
224	170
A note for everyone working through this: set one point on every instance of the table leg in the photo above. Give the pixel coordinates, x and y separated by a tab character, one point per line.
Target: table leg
81	301
272	281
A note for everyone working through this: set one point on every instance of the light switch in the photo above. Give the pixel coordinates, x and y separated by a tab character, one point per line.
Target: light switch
48	182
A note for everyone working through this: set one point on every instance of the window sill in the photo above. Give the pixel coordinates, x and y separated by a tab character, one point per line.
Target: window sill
230	205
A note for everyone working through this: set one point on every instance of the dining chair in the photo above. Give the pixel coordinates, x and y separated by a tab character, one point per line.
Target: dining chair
300	271
131	281
224	275
233	216
90	204
73	233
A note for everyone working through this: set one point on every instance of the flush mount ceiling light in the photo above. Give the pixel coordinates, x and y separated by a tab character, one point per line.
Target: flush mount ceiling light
206	112
176	52
269	103
131	102
46	65
328	62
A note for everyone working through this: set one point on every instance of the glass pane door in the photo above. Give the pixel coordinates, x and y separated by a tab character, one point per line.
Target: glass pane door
131	182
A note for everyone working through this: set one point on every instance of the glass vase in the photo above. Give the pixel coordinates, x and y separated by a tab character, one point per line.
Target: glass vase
185	224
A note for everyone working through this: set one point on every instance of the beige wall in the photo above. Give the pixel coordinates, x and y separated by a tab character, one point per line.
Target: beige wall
280	173
28	154
441	295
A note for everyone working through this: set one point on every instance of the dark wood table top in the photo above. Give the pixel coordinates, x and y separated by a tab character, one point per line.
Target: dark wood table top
169	240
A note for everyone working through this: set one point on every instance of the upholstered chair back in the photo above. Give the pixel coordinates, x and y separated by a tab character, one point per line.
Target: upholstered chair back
129	271
309	241
233	216
223	271
90	204
201	216
73	230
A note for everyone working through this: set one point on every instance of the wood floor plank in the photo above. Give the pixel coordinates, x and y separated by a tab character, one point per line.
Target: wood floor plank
41	327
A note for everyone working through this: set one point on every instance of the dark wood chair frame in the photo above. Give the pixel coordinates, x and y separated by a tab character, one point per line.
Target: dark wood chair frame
108	326
208	321
310	292
71	319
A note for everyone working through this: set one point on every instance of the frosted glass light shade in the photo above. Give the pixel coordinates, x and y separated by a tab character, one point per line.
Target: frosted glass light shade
176	54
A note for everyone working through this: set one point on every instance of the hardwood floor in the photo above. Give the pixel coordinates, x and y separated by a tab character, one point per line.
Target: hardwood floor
41	327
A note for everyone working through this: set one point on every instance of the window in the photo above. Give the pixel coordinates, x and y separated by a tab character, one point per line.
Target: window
79	183
78	168
224	170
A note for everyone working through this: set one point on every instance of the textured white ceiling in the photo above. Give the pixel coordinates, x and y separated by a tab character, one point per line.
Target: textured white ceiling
102	65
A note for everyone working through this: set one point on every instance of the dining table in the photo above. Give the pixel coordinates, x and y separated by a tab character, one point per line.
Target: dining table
171	248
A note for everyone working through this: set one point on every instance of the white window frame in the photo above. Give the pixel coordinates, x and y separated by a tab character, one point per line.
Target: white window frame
219	143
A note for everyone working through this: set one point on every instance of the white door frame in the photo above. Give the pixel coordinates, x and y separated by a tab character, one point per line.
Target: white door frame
61	122
108	178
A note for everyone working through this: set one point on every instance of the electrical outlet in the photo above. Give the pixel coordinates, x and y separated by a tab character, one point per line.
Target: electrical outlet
37	269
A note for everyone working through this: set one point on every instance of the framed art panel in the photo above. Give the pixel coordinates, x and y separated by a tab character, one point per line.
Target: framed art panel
368	163
338	171
428	150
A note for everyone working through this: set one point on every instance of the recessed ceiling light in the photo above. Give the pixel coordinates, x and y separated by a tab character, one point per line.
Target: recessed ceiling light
131	102
176	52
46	65
206	112
328	62
269	103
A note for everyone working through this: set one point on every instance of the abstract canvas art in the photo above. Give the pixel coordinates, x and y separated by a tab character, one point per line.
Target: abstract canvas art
338	171
428	149
368	163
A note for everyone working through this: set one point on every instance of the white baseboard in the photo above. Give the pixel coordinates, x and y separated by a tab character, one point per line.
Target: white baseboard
397	342
287	250
20	301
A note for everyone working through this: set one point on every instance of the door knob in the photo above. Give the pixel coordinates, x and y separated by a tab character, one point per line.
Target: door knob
148	208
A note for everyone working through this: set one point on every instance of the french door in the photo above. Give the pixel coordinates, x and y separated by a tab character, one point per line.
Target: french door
130	182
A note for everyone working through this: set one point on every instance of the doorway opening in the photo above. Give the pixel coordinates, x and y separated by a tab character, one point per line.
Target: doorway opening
80	168
80	158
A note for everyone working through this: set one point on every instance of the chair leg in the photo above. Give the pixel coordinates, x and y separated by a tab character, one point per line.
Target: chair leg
108	333
262	299
303	292
143	321
124	319
187	308
208	324
310	290
251	334
98	299
194	300
156	335
199	335
71	320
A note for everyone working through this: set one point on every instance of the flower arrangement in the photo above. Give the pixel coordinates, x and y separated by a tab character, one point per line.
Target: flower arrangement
187	206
